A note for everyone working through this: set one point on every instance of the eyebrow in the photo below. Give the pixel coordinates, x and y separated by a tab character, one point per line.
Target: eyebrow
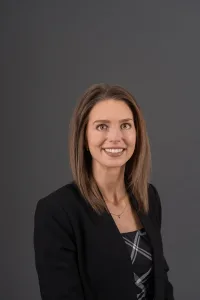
107	121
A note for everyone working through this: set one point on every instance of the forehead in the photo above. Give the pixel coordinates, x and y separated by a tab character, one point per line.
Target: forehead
110	109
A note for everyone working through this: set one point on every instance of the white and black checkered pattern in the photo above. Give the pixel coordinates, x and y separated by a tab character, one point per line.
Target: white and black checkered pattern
140	251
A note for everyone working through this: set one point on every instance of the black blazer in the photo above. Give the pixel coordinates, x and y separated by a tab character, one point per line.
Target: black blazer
80	255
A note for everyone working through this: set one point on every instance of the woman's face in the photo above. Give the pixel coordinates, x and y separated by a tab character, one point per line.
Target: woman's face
110	133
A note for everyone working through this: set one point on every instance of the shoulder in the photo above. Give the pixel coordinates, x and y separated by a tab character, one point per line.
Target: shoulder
155	209
154	197
60	201
53	221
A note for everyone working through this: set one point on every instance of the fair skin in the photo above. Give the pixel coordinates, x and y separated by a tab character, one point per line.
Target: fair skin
111	125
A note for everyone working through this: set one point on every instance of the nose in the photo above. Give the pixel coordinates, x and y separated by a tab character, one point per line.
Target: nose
114	134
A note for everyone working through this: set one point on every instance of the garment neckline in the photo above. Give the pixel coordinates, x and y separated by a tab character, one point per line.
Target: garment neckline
134	231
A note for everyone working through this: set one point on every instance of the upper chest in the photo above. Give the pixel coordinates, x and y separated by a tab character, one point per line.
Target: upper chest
128	220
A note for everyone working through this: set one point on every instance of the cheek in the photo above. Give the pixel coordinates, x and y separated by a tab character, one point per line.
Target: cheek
95	139
130	137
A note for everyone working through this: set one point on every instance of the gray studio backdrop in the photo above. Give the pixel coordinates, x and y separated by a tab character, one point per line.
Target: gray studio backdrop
52	51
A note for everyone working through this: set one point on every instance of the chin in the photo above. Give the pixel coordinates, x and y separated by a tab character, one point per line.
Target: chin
114	164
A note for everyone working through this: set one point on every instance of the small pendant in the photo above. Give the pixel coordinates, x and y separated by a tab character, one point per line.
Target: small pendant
119	217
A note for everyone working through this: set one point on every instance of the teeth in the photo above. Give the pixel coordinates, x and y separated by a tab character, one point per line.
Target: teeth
113	150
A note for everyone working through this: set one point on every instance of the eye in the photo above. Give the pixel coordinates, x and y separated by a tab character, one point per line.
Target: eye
127	127
100	126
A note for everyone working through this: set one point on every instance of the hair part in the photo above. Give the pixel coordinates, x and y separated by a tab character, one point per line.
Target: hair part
138	167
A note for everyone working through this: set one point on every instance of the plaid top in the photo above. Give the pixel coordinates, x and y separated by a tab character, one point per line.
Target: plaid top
140	251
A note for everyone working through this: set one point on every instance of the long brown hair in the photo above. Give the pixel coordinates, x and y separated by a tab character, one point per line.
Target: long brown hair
138	167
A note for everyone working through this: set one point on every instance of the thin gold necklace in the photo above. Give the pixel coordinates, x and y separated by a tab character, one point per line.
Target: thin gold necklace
119	215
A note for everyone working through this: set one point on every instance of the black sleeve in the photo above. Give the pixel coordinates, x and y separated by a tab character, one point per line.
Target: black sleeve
55	253
168	286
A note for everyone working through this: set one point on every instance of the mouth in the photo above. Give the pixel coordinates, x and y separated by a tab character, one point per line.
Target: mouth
114	151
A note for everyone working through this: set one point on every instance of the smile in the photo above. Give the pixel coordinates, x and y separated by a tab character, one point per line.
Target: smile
111	150
114	152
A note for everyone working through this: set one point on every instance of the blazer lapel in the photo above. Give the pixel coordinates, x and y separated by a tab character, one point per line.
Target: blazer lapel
117	259
156	243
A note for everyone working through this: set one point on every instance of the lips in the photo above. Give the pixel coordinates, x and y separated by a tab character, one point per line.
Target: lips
114	148
114	153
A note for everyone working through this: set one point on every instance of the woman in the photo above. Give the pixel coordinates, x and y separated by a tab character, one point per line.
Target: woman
99	236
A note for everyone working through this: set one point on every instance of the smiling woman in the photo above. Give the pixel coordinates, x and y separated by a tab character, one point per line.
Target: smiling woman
109	117
99	236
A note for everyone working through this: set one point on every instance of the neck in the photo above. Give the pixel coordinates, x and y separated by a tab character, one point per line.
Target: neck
111	183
